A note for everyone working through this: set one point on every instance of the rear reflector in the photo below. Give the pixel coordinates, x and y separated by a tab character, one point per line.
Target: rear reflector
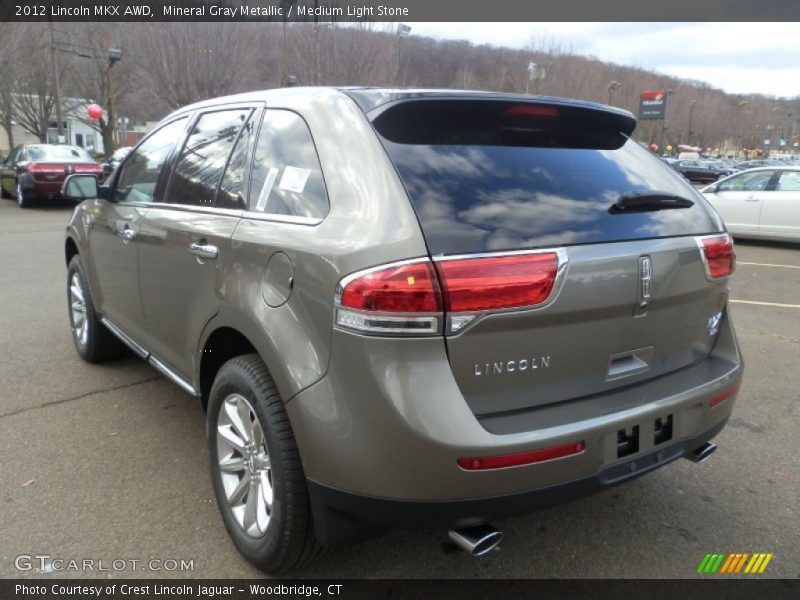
90	168
720	257
497	282
722	396
523	458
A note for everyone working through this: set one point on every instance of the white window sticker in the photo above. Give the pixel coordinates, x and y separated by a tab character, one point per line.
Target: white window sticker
294	179
266	189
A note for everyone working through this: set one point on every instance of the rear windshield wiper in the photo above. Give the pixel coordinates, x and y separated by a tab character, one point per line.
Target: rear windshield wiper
648	200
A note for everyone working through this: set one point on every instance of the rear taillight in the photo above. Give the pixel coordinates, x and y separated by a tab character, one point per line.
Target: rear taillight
398	298
498	282
521	458
414	297
718	255
88	168
47	168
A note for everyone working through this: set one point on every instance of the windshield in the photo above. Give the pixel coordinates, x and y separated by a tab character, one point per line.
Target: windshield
58	153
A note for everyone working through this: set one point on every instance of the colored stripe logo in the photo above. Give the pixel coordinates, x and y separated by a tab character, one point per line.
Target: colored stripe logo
734	563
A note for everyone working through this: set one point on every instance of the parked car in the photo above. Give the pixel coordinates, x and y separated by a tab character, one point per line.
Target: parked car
700	171
409	309
752	164
37	171
761	203
723	168
116	158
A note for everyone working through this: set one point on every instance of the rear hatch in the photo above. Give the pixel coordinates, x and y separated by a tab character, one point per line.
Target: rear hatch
631	299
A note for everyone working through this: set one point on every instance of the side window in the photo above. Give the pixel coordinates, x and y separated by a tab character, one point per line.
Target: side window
232	191
287	177
789	182
747	182
204	157
141	170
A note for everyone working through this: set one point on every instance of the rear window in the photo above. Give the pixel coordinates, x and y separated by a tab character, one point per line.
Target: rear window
58	153
487	176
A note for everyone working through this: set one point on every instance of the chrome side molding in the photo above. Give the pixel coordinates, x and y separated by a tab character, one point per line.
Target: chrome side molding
144	353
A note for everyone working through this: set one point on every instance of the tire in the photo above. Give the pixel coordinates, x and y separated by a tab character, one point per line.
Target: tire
3	193
23	199
93	341
279	538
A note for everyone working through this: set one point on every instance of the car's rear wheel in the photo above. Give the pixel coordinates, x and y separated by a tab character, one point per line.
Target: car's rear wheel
3	192
93	341
23	198
256	470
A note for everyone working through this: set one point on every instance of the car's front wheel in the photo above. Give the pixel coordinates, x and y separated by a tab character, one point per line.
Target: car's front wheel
256	470
93	341
23	198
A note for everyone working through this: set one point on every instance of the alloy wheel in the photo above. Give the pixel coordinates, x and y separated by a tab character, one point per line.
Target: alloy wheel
77	306
244	465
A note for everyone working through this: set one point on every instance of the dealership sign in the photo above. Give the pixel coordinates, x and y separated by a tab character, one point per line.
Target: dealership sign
653	105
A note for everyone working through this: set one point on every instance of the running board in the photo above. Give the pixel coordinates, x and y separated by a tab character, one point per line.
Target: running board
144	353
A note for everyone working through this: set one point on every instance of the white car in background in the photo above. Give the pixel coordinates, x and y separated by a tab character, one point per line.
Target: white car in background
761	203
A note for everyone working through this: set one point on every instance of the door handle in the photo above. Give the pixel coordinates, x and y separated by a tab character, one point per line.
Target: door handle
204	250
751	199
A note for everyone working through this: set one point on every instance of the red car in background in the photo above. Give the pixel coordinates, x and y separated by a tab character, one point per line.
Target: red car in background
37	171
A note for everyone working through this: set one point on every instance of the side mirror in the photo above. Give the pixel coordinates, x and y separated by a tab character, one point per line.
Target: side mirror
107	168
80	187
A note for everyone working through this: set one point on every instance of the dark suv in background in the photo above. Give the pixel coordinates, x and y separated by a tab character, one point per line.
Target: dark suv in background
409	308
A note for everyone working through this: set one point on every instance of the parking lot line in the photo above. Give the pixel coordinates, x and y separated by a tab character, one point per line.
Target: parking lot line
765	303
752	264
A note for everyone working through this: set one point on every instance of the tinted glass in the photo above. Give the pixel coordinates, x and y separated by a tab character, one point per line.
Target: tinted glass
58	153
232	190
204	157
287	177
518	186
754	181
789	181
140	172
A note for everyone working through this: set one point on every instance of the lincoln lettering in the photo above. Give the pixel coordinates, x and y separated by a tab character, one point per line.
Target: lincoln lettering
512	366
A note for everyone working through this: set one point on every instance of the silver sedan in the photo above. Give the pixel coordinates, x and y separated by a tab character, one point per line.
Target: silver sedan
762	203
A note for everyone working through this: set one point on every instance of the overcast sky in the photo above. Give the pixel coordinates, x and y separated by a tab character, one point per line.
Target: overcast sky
739	58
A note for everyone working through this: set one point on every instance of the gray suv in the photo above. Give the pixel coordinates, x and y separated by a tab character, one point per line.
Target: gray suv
409	308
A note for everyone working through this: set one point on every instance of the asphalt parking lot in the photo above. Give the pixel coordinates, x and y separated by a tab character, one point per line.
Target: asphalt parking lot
108	462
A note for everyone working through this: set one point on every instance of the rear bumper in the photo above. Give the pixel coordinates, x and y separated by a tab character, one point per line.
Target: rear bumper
342	517
380	444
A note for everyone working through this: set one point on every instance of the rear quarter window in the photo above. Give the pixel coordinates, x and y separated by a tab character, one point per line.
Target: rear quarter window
486	176
286	176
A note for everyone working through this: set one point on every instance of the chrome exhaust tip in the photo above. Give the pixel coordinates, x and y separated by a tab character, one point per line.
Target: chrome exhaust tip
702	453
477	540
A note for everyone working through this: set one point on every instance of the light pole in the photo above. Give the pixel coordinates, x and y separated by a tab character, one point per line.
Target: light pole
692	104
57	79
612	87
740	134
114	56
403	30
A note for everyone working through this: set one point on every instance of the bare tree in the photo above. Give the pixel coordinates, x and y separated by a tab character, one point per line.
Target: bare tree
10	35
33	100
181	63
